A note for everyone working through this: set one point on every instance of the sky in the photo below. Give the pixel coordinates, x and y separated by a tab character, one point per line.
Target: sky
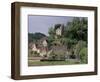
39	23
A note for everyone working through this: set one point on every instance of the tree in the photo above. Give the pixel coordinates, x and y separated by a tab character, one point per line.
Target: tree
77	29
51	32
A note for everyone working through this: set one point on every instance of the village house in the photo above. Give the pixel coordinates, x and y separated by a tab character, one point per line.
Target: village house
40	47
35	48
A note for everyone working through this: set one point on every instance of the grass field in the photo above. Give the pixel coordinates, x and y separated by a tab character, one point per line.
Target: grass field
43	63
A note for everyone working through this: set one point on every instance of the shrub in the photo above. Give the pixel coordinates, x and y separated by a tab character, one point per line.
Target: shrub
34	54
57	56
78	47
83	55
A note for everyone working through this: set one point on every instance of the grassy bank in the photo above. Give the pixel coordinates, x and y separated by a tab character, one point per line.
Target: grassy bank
43	63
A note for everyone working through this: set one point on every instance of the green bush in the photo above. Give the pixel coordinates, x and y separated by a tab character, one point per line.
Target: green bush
34	54
78	47
57	56
83	55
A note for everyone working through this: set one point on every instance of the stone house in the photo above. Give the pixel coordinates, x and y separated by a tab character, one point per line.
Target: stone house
41	47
